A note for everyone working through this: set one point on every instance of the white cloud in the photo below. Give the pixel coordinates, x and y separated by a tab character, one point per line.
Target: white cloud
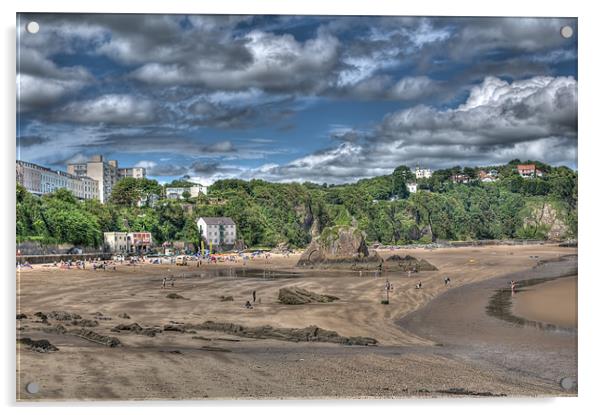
111	109
500	121
413	87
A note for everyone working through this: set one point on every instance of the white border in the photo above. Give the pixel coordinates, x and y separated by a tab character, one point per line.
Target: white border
589	154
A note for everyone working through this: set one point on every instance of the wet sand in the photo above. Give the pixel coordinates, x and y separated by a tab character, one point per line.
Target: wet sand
458	321
406	362
553	302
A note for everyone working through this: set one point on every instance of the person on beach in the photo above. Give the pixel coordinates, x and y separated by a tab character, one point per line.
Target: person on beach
163	284
248	305
513	286
254	295
419	285
447	280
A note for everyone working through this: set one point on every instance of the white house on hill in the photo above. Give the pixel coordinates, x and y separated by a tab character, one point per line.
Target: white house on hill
423	173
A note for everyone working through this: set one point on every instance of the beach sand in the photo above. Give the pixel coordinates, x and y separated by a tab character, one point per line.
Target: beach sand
174	365
553	302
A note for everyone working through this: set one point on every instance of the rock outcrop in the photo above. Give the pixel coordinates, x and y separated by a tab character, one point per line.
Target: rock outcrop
409	263
341	247
296	296
306	334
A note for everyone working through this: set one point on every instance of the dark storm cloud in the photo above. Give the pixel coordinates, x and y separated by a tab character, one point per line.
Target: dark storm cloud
166	144
195	169
199	167
28	141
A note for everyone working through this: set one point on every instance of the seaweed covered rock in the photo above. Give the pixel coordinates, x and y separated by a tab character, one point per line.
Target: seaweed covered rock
97	338
296	296
341	247
136	328
409	263
306	334
40	346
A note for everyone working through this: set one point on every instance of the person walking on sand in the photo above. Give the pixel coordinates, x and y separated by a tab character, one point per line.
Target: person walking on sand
254	295
163	284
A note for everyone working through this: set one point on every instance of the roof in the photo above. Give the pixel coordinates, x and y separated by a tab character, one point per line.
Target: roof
217	220
526	167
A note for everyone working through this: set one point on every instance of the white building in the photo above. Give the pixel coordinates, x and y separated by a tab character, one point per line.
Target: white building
135	172
177	192
217	230
423	173
40	180
412	187
105	172
117	241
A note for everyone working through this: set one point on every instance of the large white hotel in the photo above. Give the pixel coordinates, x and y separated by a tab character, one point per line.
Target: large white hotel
93	179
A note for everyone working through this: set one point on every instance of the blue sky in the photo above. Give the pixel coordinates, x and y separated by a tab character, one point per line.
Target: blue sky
288	98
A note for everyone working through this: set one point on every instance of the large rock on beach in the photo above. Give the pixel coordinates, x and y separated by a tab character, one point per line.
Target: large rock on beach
409	263
342	247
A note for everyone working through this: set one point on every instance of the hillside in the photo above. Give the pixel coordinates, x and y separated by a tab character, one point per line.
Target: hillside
268	214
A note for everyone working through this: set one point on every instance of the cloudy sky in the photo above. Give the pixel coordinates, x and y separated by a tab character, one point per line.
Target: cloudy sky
285	98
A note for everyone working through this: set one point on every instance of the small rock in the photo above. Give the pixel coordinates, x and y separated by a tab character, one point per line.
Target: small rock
40	346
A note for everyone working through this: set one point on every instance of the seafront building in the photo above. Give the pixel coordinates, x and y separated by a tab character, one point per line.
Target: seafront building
40	180
116	242
217	231
128	242
106	172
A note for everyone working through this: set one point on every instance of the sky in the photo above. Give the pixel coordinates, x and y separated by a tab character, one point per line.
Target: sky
328	99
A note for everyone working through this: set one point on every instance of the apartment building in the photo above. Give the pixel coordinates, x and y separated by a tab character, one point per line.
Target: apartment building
135	172
106	172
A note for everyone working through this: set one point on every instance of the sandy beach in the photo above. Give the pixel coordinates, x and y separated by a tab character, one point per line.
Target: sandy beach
410	359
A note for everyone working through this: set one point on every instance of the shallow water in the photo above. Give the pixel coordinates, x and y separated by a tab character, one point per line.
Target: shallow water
553	302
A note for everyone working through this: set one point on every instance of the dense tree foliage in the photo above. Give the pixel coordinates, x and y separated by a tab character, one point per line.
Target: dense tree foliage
271	213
